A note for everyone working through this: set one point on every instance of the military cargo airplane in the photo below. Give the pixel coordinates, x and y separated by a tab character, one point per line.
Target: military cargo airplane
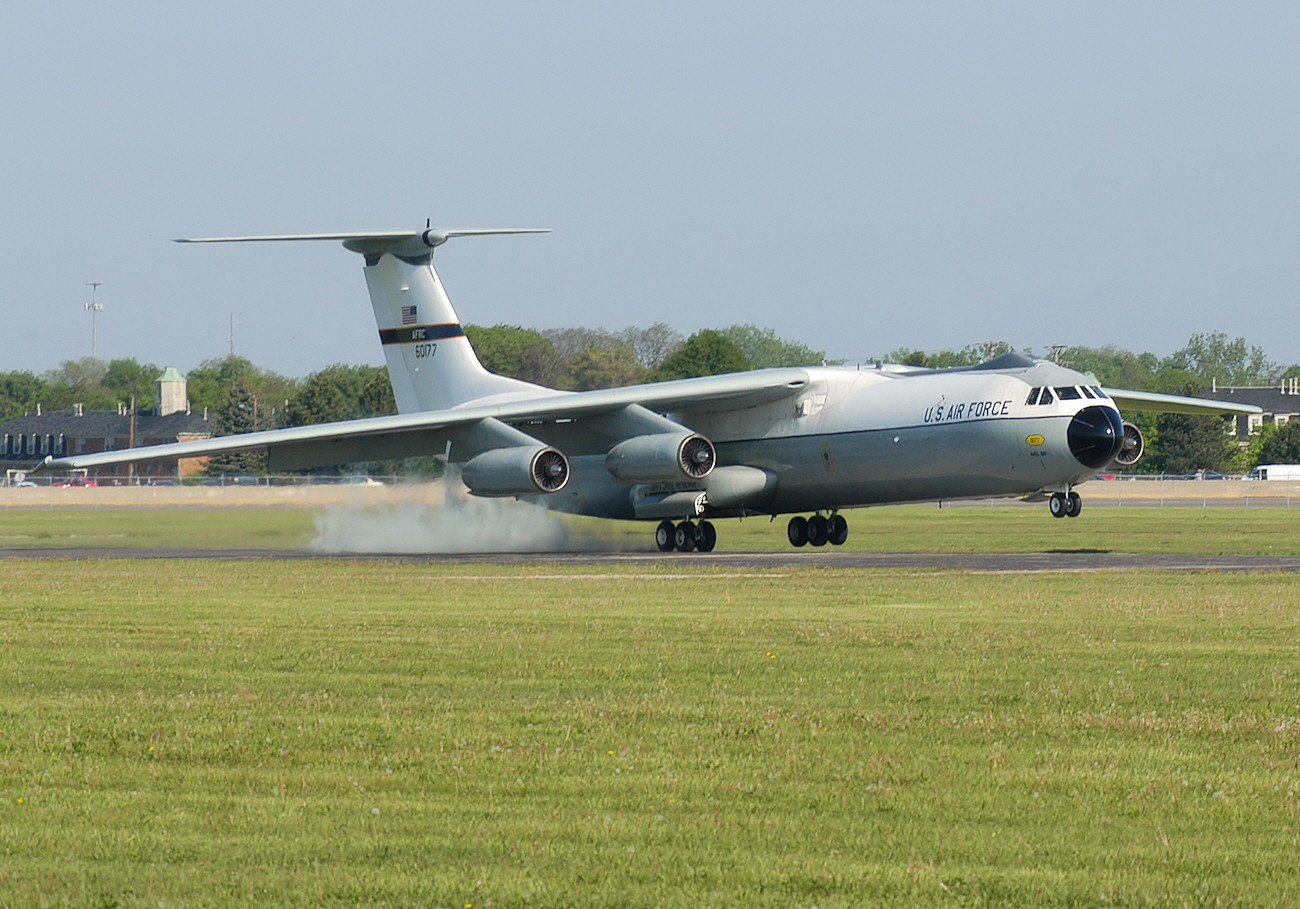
684	453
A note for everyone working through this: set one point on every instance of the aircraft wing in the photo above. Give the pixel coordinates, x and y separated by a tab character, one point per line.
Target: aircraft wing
1160	403
476	427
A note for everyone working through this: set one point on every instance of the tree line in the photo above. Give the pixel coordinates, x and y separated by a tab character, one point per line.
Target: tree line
243	397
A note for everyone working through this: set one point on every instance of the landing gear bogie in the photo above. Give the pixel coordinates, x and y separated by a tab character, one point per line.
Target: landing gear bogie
686	536
818	530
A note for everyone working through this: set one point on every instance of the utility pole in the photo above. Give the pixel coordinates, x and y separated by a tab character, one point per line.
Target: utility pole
94	308
1056	350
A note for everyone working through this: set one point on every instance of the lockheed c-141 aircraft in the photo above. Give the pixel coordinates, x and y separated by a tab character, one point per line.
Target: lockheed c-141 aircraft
807	441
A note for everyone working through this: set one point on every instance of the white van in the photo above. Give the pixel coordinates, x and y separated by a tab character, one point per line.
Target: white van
1275	472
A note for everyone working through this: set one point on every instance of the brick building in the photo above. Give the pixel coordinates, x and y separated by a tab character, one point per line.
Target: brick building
27	440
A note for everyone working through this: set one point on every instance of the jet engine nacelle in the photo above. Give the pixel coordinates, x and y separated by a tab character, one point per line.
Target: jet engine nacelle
1131	448
516	472
665	458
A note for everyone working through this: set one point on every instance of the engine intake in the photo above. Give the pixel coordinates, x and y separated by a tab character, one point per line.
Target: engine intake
1095	436
664	458
516	472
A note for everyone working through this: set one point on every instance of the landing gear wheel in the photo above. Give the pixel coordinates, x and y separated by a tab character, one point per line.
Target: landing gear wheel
1058	505
818	530
664	536
838	530
684	536
1073	505
706	536
797	531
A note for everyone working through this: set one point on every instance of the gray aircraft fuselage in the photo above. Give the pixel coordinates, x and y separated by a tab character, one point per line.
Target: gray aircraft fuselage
858	437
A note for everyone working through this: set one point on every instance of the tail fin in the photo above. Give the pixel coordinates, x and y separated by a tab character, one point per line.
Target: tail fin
430	362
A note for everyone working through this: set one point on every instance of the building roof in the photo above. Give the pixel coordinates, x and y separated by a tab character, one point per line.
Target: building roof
107	423
1271	398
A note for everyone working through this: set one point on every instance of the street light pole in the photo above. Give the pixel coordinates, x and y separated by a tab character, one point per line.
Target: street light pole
94	309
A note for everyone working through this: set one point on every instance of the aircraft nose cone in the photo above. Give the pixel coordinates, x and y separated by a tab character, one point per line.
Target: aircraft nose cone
1096	435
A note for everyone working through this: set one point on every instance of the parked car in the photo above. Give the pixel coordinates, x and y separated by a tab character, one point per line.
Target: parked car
76	481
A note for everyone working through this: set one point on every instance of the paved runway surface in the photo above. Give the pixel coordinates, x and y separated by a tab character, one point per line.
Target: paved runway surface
1073	561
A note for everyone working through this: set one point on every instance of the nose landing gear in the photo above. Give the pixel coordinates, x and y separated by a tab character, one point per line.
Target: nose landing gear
1065	505
818	530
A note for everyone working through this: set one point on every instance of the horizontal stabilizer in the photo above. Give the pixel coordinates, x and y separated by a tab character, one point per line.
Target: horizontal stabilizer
406	243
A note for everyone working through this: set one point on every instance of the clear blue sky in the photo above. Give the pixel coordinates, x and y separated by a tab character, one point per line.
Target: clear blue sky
856	176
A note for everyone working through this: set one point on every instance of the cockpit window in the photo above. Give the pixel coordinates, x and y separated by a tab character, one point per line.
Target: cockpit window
1087	392
1033	396
1097	389
1047	397
1068	393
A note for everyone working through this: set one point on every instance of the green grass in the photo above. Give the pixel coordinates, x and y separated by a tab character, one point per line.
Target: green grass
1215	531
202	527
227	733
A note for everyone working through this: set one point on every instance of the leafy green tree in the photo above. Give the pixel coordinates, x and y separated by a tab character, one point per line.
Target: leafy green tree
654	343
338	392
210	383
124	378
1113	367
569	342
762	348
605	367
20	392
509	350
237	414
1215	359
1183	443
705	353
970	355
909	357
78	382
1279	445
1190	443
377	397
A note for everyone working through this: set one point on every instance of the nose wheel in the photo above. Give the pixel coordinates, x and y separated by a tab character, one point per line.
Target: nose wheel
1065	505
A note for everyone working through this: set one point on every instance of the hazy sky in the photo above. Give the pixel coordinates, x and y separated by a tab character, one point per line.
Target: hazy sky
859	176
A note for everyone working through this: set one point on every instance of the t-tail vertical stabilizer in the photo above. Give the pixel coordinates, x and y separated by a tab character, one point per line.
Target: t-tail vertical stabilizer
430	362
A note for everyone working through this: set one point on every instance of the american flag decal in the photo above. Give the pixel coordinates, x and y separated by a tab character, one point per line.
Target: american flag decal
408	315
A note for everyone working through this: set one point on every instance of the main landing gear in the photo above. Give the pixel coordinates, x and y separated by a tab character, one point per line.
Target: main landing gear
1065	504
686	536
818	530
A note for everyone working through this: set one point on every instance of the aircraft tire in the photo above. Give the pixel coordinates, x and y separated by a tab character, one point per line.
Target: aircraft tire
1058	505
797	531
818	531
706	536
838	531
684	536
1073	505
664	538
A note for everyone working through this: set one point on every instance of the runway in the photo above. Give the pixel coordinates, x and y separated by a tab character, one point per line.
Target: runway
1038	562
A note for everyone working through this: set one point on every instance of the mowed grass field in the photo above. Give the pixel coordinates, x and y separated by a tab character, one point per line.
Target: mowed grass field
209	732
420	528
